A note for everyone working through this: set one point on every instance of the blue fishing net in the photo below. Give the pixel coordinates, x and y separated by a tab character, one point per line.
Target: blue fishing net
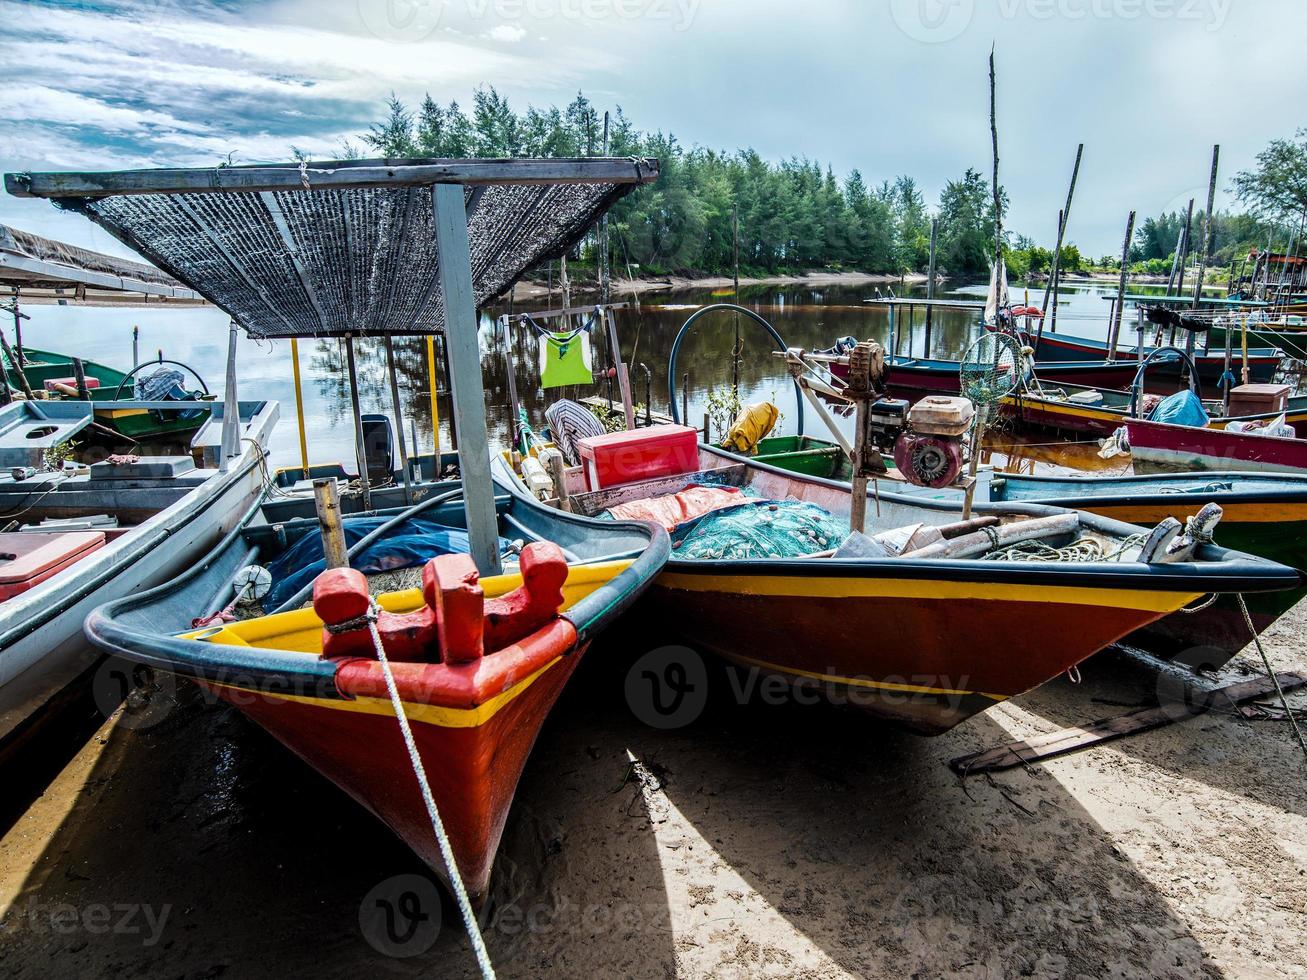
407	545
760	529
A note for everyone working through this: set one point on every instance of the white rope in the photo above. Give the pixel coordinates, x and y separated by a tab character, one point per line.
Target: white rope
437	825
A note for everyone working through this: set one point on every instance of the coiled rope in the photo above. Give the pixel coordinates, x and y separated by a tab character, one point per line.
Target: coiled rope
1082	550
437	825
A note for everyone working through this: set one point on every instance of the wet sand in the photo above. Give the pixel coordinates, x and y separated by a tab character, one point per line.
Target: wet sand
787	841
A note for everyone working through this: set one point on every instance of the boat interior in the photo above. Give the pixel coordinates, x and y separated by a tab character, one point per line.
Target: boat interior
898	525
63	497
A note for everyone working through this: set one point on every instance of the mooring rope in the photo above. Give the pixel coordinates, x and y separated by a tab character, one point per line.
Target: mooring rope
1284	701
437	825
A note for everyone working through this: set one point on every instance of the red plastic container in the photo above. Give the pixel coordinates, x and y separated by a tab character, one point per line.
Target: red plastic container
28	558
645	454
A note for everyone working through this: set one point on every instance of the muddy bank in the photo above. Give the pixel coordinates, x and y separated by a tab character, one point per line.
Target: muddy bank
769	840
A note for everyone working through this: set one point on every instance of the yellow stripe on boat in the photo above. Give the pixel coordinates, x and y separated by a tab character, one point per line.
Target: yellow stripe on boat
427	714
1235	513
859	587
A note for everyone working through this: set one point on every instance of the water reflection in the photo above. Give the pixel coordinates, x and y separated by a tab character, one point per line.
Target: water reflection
805	316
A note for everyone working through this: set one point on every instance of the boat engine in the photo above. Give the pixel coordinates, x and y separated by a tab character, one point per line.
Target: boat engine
926	439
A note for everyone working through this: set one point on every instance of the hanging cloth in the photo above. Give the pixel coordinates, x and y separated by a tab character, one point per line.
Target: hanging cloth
565	359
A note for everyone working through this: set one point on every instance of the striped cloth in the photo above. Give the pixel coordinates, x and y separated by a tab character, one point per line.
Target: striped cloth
568	422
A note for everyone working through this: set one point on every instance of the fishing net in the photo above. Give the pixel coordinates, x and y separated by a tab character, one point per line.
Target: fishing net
761	529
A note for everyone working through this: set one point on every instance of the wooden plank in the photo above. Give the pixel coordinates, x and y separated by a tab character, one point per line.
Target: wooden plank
333	175
465	375
1197	702
594	501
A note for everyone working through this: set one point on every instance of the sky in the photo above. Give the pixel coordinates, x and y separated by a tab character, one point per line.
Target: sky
885	86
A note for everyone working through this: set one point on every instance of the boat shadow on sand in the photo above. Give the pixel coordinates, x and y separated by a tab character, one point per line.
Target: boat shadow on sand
769	840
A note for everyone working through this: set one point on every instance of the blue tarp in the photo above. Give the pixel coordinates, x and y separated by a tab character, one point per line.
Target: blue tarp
1182	408
407	545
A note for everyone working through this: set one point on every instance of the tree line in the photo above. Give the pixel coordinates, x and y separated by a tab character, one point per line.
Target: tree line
796	215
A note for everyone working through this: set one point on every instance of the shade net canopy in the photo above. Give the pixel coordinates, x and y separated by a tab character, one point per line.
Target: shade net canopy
45	271
343	247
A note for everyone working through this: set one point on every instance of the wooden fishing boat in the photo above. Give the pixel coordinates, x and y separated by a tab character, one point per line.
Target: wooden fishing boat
914	378
1182	447
1264	515
923	642
1099	412
1263	362
103	529
474	722
53	375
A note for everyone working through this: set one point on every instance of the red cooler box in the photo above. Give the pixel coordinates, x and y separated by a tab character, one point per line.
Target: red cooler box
645	454
28	558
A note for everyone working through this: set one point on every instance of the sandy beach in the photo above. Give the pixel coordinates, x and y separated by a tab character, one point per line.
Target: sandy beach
778	840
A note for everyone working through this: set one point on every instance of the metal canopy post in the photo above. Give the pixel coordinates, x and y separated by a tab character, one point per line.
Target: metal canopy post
435	402
465	375
359	450
231	413
399	421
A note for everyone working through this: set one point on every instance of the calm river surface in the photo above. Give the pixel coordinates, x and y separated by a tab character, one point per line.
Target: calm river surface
805	315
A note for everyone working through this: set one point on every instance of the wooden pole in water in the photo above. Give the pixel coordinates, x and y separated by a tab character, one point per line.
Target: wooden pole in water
514	434
930	287
327	500
18	368
299	407
735	317
399	420
136	345
998	202
360	451
1208	228
1050	291
1184	248
1119	307
604	278
435	403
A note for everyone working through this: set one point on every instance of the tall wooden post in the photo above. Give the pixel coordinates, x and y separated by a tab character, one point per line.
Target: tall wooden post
1050	291
1119	307
604	279
1208	227
930	286
998	201
327	500
465	375
231	413
1184	247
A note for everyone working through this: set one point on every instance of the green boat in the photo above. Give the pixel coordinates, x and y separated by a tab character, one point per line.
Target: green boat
135	424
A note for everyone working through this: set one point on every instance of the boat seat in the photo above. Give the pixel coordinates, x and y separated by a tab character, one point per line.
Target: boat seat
143	468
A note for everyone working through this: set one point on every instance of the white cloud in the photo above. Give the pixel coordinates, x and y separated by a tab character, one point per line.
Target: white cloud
508	33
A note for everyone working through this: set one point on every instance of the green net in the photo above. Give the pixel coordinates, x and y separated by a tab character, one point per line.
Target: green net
761	529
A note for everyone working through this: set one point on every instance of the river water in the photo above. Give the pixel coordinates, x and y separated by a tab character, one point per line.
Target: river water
810	316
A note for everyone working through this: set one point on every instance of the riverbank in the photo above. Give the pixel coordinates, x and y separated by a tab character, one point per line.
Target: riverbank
532	290
762	840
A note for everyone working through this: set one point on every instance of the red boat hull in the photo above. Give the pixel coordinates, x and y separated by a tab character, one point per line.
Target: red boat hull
924	654
1185	447
473	759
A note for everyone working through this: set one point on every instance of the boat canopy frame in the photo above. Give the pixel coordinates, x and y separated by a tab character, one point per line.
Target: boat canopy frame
360	248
